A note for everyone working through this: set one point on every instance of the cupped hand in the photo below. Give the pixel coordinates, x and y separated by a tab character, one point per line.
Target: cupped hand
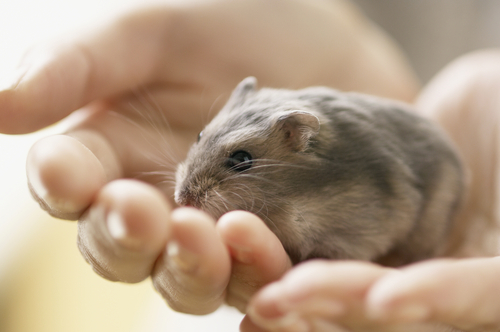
144	85
442	295
438	295
124	237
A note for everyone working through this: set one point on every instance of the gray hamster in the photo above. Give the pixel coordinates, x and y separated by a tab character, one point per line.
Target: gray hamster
333	175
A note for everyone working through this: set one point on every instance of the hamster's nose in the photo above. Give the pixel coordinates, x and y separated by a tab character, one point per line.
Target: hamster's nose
186	198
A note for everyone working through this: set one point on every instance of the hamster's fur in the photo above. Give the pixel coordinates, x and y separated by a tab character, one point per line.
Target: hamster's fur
333	175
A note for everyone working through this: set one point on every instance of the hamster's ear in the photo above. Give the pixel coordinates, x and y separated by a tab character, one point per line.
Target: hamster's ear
239	94
298	128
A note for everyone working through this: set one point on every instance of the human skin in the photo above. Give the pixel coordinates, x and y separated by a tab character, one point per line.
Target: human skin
461	294
177	63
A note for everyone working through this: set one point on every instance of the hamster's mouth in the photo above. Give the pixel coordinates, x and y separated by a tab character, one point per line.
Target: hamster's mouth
209	201
193	203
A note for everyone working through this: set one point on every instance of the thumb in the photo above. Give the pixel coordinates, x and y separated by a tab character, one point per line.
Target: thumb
57	79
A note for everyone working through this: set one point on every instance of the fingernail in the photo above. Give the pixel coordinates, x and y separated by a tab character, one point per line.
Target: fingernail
270	302
40	192
36	185
181	258
117	228
242	255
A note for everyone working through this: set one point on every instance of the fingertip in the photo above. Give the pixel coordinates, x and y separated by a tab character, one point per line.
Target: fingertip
233	222
125	230
238	229
396	298
249	236
199	247
190	225
192	215
258	256
266	303
268	309
138	215
47	88
193	273
64	176
247	325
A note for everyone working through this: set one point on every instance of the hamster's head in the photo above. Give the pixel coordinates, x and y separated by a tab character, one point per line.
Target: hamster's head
247	155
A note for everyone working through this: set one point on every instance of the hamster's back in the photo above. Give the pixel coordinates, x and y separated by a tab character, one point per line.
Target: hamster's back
399	173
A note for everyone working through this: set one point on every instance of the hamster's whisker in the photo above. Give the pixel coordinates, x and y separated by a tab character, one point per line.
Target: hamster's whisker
258	167
212	107
288	165
270	221
236	176
249	193
242	199
154	116
223	200
151	104
167	175
161	157
167	182
257	177
264	205
165	145
162	173
277	162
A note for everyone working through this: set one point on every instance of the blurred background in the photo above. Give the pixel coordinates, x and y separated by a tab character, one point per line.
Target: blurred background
44	283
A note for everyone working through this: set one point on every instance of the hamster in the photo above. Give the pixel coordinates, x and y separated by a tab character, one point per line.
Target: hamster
334	175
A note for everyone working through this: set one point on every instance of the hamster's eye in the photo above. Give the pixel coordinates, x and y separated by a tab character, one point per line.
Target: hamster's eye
240	161
199	136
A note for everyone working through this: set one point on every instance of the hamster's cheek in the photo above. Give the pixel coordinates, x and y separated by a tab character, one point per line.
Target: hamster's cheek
180	175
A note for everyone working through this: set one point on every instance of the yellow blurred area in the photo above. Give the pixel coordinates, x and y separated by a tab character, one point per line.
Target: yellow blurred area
53	289
50	288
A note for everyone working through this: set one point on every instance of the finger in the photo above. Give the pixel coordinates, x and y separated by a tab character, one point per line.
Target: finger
318	326
193	273
248	326
462	293
59	79
65	173
316	293
125	230
258	256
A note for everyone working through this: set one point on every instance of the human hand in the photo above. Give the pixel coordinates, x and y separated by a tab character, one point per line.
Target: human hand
437	295
204	263
145	84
